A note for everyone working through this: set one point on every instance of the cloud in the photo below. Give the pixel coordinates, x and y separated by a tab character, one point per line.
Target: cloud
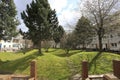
68	18
67	11
69	15
58	5
20	6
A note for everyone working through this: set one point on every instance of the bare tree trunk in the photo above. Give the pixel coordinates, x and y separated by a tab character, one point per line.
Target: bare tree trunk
100	41
100	10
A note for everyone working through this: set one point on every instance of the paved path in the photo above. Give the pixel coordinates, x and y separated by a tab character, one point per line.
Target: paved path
75	77
9	76
5	77
91	77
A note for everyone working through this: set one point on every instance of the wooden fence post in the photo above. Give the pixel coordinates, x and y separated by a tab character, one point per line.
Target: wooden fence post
84	70
116	68
33	71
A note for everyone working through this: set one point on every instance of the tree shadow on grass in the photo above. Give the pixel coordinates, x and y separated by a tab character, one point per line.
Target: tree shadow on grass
19	65
52	51
24	51
93	61
67	55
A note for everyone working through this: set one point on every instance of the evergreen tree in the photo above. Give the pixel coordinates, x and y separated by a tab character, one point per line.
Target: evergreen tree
83	31
36	18
58	34
56	29
8	21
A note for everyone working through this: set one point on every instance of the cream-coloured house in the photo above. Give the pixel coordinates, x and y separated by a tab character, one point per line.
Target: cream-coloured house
110	42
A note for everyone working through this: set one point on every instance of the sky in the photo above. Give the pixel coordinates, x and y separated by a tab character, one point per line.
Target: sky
68	11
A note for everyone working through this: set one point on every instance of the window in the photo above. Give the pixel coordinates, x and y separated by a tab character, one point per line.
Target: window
114	44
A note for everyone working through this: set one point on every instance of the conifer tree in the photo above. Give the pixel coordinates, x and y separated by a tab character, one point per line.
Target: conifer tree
36	18
8	21
83	31
58	34
56	29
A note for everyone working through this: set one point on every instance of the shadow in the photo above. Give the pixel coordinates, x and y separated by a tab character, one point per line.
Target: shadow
52	51
24	51
68	55
17	65
4	72
93	61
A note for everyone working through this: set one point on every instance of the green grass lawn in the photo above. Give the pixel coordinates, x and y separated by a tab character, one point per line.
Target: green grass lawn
55	64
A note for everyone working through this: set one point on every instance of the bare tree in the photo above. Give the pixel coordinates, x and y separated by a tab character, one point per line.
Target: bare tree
99	11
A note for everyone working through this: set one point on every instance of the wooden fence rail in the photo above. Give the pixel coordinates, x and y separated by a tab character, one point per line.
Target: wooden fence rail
84	75
32	76
116	72
33	73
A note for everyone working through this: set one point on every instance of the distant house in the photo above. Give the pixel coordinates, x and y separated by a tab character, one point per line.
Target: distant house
109	42
15	44
9	46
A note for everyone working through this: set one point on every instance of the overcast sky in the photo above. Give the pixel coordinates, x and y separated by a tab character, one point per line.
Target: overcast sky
67	11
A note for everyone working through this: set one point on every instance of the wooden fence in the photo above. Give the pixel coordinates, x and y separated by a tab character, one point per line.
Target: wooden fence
84	75
32	76
116	72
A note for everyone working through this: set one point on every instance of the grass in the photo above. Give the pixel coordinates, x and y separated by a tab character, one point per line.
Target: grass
55	64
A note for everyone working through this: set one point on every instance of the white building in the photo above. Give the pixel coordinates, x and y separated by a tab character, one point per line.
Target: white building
109	42
12	45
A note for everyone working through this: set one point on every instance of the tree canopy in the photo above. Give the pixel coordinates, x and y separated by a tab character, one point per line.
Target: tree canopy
83	31
98	12
57	30
8	21
40	20
68	42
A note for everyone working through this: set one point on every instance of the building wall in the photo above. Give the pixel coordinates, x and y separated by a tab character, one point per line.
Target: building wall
14	44
9	46
110	42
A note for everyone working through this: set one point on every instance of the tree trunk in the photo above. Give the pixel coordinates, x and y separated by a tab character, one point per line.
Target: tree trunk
39	47
100	42
55	45
83	46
